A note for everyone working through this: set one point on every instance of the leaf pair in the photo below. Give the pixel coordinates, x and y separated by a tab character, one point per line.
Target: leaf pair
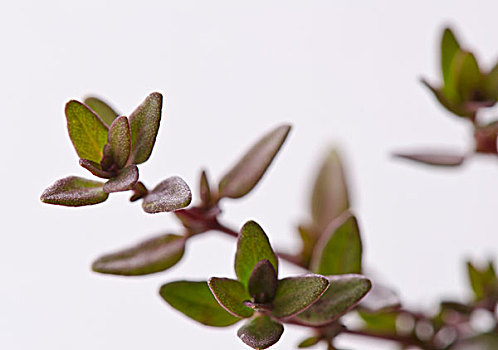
257	293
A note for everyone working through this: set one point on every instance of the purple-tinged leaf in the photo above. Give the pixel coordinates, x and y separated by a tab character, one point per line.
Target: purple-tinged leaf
102	109
153	255
454	107
74	191
231	294
252	247
139	192
195	300
433	158
260	332
263	282
205	189
144	125
330	193
339	250
343	294
125	181
295	294
169	195
95	168
87	131
119	141
244	176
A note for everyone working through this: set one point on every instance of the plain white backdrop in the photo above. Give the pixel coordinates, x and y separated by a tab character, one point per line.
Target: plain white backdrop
344	73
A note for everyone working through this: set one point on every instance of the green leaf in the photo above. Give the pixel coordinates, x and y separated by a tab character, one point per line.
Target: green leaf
309	342
205	189
343	294
87	131
252	247
153	255
339	250
144	125
449	47
250	169
434	158
263	282
195	300
119	141
74	191
102	109
308	241
169	195
125	181
383	322
455	108
330	194
231	294
469	77
295	294
95	168
487	341
484	282
261	332
491	83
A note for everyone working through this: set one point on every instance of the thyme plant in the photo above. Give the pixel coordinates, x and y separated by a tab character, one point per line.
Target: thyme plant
333	284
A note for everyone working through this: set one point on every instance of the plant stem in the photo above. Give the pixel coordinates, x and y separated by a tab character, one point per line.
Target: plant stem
406	341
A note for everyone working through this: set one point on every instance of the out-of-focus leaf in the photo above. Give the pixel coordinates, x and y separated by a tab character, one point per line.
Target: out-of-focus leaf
488	341
491	83
343	294
151	256
95	168
309	342
252	247
295	294
195	300
455	108
308	241
170	194
339	250
124	181
263	282
433	158
261	332
330	194
119	141
484	282
205	189
231	294
469	78
74	191
102	109
248	171
383	322
449	47
380	298
87	131
144	124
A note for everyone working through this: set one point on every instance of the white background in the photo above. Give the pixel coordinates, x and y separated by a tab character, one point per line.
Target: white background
344	73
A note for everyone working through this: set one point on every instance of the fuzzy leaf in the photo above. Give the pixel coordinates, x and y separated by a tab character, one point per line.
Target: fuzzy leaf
151	256
144	125
119	141
330	194
170	194
74	191
295	294
449	47
195	300
252	247
339	250
124	181
343	294
261	332
309	342
231	294
102	109
433	158
95	168
248	171
87	131
263	282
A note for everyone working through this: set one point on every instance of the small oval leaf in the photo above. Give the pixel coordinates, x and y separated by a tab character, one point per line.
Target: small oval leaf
195	300
263	282
87	131
125	181
261	332
231	294
309	342
170	194
119	141
252	247
144	125
343	294
95	168
433	158
102	109
74	191
244	176
295	294
153	255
